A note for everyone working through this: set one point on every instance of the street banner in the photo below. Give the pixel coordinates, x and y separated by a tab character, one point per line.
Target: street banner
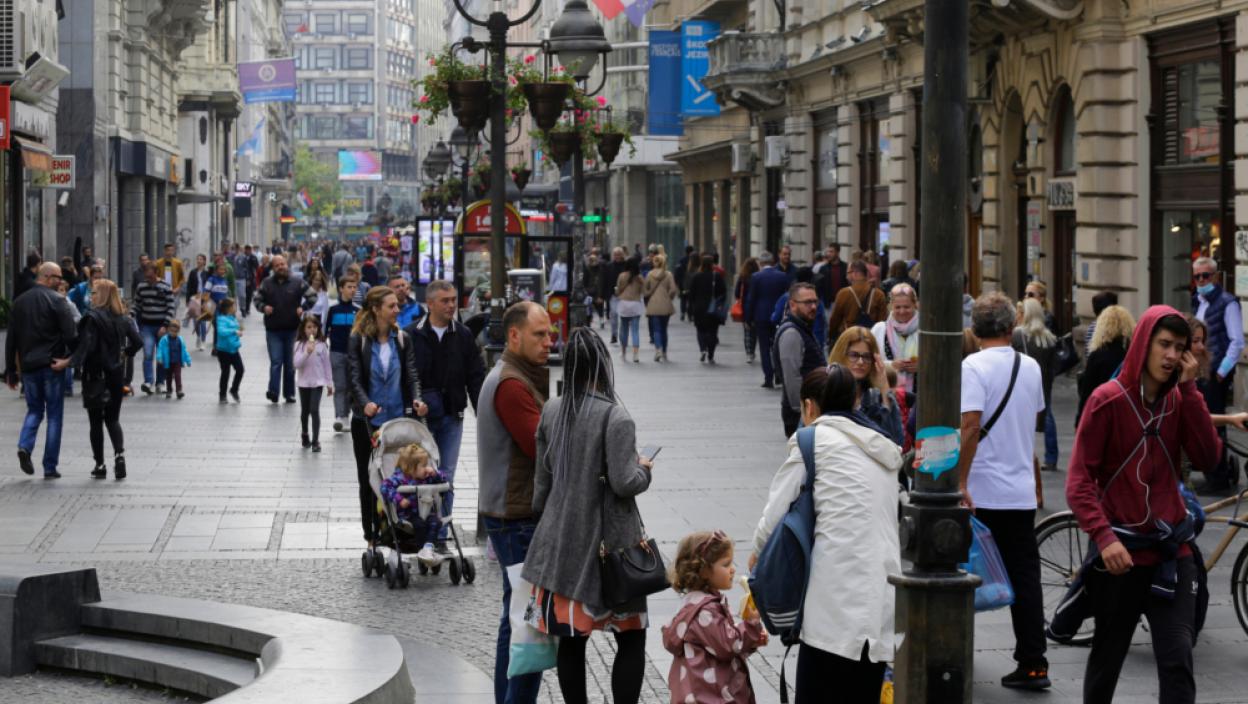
62	175
663	111
695	99
270	81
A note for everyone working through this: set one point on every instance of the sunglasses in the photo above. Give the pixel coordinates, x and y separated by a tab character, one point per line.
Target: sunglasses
1203	275
712	539
1031	294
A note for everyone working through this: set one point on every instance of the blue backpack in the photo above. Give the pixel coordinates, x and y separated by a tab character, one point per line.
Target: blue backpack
782	572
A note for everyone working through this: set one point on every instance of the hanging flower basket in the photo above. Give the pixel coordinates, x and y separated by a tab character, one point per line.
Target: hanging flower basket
609	145
470	103
563	145
546	102
520	175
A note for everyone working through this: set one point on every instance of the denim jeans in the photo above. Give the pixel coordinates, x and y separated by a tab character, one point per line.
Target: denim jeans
632	324
45	392
658	330
342	400
281	345
448	432
511	540
1050	437
150	335
615	317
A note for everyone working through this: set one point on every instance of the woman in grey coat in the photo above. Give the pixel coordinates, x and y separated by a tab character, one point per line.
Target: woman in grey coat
584	436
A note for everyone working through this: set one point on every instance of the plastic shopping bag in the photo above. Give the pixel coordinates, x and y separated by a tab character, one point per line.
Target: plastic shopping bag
531	650
985	561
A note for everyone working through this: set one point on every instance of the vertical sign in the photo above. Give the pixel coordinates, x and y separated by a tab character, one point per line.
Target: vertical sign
5	122
665	81
695	99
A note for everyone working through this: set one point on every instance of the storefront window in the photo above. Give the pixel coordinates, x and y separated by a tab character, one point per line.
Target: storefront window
827	157
1200	92
1065	161
1186	235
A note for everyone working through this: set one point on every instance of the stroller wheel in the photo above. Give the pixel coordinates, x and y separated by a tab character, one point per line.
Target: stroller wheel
366	563
379	563
469	570
405	574
454	569
390	576
424	569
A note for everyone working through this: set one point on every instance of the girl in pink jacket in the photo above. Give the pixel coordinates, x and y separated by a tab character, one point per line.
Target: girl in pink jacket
709	646
313	373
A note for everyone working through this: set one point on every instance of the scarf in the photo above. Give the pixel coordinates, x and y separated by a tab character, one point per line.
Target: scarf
903	344
536	377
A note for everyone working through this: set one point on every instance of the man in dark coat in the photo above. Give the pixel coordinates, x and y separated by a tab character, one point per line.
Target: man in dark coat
766	287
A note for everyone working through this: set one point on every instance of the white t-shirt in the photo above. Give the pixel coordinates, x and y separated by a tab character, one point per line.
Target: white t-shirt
439	331
1003	473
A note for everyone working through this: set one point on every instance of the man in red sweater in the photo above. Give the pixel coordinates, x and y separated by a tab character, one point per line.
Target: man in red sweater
1123	487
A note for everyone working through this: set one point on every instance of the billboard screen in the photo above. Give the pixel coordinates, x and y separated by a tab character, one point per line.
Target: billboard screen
359	166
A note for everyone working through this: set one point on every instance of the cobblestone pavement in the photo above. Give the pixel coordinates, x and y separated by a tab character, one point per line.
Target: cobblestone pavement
223	504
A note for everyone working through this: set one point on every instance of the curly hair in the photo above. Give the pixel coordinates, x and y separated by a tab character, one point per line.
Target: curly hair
412	457
694	557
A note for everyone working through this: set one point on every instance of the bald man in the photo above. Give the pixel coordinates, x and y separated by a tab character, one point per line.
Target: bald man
283	299
40	341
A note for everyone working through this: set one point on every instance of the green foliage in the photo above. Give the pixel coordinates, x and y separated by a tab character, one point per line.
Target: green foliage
320	180
434	99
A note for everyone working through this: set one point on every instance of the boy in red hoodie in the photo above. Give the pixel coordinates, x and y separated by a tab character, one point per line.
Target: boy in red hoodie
1123	488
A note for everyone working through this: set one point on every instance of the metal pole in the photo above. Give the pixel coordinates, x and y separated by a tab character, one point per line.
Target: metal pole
935	600
576	287
498	25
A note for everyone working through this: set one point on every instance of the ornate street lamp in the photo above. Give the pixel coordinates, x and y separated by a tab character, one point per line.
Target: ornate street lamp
437	160
463	145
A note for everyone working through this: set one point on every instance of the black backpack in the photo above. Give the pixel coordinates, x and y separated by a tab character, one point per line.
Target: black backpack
864	318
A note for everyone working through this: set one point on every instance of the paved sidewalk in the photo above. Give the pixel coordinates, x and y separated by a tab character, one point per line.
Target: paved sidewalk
222	503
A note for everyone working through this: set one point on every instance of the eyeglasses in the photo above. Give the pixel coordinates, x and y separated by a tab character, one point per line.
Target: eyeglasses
859	357
806	302
1203	275
1031	294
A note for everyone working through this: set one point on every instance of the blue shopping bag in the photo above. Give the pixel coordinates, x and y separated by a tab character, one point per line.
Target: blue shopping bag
985	561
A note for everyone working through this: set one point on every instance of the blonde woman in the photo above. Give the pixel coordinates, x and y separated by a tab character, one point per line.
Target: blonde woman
897	337
1106	353
1034	339
1038	291
857	351
660	293
105	334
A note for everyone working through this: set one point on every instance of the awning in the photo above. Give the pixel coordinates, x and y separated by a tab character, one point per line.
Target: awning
35	156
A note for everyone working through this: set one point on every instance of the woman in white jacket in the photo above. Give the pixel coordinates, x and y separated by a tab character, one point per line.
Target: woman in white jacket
847	627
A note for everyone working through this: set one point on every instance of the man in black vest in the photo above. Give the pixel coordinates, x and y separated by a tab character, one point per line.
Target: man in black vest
796	352
1219	310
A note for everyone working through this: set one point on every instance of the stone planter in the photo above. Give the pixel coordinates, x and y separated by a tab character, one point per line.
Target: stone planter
470	103
546	102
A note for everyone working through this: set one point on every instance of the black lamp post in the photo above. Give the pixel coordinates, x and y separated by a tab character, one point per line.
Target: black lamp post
462	146
578	39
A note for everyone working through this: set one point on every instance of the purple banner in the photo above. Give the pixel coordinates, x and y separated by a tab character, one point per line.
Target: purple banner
267	81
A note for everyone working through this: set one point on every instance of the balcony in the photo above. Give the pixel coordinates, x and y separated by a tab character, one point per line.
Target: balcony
903	19
745	68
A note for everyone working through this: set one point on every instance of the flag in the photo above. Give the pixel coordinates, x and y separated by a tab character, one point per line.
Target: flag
609	8
635	10
252	145
305	201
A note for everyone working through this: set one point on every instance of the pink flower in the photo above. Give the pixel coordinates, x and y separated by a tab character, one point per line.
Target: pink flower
424	98
602	101
558	69
512	80
530	59
415	119
432	61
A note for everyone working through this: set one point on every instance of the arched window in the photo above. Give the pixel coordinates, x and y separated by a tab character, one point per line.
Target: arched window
1064	144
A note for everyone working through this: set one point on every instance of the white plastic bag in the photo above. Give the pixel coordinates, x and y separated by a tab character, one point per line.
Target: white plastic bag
530	650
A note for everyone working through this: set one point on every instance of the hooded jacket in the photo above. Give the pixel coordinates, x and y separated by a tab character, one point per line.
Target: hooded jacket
849	601
709	648
1124	467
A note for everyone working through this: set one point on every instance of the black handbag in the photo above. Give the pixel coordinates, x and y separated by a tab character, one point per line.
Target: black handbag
1067	355
95	393
630	572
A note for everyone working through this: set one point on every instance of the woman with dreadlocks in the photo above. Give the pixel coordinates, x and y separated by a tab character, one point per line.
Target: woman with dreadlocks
583	436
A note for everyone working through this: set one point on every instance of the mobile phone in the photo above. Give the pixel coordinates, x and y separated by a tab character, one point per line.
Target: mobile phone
650	452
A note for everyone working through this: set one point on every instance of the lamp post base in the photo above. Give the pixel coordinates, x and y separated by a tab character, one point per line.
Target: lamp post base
935	656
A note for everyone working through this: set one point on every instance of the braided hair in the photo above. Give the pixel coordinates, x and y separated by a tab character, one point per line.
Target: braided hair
586	370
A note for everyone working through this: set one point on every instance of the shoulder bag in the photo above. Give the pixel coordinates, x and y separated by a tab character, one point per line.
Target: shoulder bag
630	572
983	430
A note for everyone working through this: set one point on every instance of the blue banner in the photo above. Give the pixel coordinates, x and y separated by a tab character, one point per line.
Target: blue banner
695	99
665	79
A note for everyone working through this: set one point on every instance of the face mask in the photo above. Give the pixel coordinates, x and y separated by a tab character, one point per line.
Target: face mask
1202	290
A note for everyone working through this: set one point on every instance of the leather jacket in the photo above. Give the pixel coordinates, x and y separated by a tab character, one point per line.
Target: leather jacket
359	366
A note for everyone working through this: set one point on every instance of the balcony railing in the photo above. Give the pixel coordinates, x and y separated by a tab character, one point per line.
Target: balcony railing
745	68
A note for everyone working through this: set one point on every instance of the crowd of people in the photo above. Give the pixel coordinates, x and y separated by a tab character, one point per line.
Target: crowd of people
559	476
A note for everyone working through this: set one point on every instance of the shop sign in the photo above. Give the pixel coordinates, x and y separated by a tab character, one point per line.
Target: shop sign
174	170
1061	194
477	220
4	117
63	175
244	189
352	204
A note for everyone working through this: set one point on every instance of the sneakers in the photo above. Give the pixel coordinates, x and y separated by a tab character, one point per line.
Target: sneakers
234	395
316	447
426	554
23	459
1034	678
52	475
289	399
146	388
338	426
441	548
306	442
119	467
658	355
222	400
168	394
749	359
271	396
181	395
703	360
100	471
768	385
1048	467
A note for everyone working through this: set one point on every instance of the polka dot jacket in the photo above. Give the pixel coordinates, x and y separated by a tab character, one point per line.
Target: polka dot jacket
710	648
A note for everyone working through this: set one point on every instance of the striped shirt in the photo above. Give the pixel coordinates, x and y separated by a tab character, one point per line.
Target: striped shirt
154	304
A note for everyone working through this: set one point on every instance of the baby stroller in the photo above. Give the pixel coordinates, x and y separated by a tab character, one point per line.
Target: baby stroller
405	539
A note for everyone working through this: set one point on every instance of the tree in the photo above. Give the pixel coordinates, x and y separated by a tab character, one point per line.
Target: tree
319	179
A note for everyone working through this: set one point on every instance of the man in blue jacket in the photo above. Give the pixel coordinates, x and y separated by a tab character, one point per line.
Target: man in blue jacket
766	288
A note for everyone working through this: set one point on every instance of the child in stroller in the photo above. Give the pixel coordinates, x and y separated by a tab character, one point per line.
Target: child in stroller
417	513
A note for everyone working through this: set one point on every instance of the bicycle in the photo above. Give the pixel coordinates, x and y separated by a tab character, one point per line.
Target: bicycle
1063	547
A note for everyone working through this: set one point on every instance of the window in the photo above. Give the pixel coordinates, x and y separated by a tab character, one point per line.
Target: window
360	92
826	137
1200	91
325	57
324	127
325	93
295	23
358	57
1064	158
325	23
359	23
358	127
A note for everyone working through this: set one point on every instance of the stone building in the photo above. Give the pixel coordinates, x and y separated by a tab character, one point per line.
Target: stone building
1104	139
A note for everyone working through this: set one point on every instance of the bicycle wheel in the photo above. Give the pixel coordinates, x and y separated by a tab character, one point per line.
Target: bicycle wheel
1062	550
1239	587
